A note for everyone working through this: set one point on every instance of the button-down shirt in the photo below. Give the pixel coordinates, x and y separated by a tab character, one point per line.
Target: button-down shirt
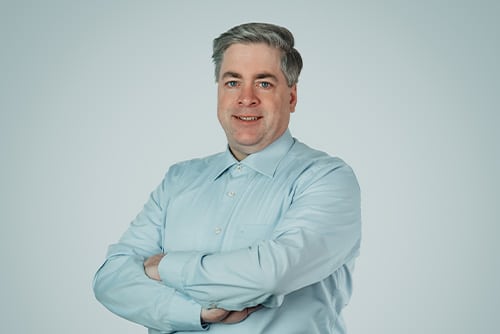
280	229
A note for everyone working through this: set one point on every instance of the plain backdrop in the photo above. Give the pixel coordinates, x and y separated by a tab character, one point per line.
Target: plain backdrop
99	98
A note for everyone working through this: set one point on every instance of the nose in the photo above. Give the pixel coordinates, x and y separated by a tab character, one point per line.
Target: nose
247	97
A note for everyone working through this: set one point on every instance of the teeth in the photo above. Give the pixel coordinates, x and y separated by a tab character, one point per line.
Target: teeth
249	118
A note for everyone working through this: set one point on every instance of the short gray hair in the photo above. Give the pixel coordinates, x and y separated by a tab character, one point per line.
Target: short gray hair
270	34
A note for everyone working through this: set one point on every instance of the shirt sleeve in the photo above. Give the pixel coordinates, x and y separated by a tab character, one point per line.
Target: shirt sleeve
320	232
122	286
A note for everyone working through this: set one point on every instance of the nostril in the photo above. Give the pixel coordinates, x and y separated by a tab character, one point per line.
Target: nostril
248	100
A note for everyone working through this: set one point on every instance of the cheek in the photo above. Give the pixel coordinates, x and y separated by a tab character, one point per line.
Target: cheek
220	108
223	115
223	101
220	115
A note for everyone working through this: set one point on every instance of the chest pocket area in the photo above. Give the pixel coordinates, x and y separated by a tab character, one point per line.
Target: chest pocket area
249	234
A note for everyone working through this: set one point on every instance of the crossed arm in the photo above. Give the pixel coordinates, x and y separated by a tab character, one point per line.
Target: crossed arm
173	292
208	316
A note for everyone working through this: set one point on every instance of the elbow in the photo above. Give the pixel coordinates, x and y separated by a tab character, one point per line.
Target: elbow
105	292
102	285
98	288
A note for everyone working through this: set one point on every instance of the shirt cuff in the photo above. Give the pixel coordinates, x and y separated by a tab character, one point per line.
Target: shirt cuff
186	313
173	268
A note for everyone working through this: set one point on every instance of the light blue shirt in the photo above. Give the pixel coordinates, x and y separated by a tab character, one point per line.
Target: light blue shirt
280	228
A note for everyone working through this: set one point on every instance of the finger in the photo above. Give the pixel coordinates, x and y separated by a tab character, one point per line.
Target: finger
152	259
237	316
214	315
253	309
234	317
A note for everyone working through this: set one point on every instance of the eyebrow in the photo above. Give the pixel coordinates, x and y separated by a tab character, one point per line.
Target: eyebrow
265	75
230	74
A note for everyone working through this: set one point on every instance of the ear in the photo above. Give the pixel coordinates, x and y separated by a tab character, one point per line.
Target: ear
293	97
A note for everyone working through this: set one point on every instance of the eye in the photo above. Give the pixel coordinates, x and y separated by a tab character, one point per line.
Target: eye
232	84
265	84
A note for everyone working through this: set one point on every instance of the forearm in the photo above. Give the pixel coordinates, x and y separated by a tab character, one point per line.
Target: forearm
257	275
122	287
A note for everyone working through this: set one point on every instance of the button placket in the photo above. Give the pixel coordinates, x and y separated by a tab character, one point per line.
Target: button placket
236	183
236	174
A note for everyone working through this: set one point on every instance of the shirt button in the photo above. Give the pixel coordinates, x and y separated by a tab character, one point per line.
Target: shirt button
238	167
231	194
218	230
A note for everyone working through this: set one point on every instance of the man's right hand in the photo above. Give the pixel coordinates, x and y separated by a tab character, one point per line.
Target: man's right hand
227	317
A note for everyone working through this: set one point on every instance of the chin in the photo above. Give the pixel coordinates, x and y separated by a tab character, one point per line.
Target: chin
246	143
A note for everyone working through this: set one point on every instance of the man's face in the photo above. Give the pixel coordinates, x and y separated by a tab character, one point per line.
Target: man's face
254	100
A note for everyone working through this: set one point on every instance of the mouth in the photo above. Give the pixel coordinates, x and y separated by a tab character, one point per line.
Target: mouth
247	118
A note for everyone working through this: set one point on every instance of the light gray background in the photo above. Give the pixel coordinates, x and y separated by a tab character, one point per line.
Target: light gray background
98	98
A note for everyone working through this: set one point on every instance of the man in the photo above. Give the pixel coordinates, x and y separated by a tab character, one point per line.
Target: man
258	239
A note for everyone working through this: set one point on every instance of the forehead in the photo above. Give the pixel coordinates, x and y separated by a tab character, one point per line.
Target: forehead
251	57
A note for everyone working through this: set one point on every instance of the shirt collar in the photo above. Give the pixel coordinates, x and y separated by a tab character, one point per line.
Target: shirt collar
265	161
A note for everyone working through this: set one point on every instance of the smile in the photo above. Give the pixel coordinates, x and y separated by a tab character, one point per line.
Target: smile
247	118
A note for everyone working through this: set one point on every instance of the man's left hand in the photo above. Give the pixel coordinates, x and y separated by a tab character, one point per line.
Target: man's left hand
151	266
